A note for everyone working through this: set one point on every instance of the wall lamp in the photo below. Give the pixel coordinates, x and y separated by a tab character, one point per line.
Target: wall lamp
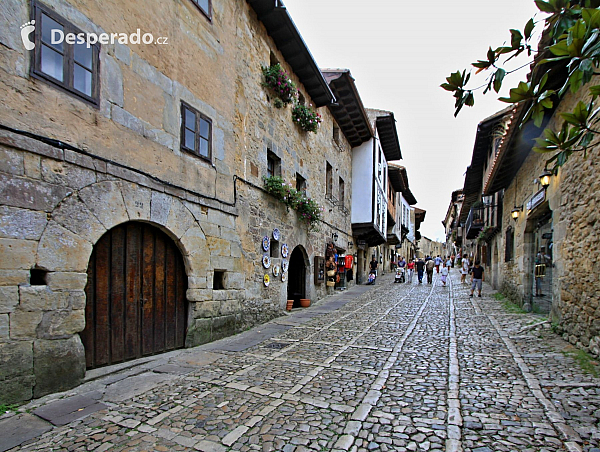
350	244
516	212
545	178
334	236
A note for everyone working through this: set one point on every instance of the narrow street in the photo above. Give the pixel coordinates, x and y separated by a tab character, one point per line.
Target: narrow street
392	367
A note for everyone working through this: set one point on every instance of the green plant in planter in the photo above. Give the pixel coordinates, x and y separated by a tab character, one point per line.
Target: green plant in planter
309	211
279	82
306	118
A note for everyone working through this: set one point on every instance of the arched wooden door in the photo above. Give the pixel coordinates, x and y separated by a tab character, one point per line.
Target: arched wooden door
296	277
136	303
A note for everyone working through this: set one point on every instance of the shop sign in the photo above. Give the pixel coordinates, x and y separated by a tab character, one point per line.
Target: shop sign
536	199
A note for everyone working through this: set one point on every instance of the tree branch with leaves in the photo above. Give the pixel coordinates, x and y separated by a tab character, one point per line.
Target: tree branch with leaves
566	60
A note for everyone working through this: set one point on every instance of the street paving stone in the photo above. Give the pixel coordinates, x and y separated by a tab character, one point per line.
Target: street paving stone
397	367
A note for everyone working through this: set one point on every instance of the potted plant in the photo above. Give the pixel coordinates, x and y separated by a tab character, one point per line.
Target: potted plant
276	79
308	119
304	302
308	209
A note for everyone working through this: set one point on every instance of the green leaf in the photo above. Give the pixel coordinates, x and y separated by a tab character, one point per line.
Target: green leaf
498	77
560	48
448	87
470	99
481	64
529	28
545	7
576	80
586	140
515	38
578	30
502	50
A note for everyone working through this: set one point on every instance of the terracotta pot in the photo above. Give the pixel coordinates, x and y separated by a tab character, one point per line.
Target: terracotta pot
304	302
290	305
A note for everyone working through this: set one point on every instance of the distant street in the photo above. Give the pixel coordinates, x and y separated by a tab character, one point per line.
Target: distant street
395	367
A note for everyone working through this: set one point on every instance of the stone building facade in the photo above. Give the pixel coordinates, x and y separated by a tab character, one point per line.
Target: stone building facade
93	168
542	255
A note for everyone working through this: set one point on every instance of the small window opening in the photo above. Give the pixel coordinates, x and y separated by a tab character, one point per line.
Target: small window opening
300	183
37	277
273	59
336	134
219	280
274	248
273	164
301	99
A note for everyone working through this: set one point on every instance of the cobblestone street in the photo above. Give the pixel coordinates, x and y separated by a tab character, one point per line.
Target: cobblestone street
396	367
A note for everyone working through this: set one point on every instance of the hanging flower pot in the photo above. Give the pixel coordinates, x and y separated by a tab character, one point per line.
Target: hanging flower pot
305	117
279	82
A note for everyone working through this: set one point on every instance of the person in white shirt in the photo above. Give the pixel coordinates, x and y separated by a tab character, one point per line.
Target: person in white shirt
464	269
444	274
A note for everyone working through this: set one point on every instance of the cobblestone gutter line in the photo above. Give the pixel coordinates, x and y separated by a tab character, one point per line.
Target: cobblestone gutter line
453	442
354	425
571	438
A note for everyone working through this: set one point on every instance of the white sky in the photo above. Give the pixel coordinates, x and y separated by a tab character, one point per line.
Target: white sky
399	52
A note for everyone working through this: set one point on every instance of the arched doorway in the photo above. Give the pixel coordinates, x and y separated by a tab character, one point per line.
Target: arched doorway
297	276
136	304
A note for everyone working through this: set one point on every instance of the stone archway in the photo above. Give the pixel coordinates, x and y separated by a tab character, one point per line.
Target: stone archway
66	245
297	272
135	296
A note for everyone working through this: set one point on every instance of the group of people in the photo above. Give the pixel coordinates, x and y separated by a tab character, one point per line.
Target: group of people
442	265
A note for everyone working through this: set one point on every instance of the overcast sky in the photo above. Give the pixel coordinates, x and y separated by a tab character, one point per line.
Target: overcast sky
399	52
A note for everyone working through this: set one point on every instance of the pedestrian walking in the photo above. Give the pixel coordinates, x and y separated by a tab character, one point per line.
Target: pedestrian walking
420	268
373	270
464	269
449	264
444	277
429	268
410	269
438	262
452	259
477	278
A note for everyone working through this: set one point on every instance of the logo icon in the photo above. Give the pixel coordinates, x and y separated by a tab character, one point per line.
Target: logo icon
26	30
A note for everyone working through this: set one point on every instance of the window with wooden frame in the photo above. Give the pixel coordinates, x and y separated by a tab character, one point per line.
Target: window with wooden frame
328	181
196	132
273	164
300	183
62	58
205	6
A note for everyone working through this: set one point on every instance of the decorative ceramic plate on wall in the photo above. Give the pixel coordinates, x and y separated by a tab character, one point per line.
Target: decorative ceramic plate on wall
284	250
266	242
276	270
266	261
283	277
276	234
266	280
284	265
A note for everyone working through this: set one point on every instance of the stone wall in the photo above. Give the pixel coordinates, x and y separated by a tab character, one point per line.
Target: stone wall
123	163
573	197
